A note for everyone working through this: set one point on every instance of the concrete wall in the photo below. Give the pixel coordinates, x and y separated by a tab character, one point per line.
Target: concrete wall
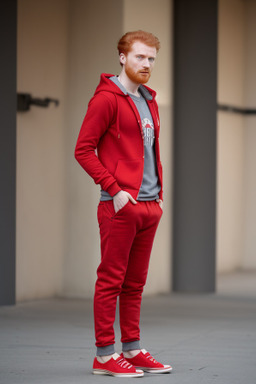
249	255
41	188
161	80
236	183
230	159
63	46
8	106
82	255
92	50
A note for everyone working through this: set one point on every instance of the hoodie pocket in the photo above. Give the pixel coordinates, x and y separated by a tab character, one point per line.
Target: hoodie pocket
129	173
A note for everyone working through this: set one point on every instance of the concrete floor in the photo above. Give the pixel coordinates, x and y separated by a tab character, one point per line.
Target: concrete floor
209	338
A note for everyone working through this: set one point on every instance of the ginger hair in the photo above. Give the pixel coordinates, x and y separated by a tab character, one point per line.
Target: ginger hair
127	40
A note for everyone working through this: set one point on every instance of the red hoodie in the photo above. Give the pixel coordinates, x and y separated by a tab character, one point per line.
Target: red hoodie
112	128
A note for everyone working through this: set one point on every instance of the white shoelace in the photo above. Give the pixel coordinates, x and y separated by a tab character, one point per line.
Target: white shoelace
151	358
124	364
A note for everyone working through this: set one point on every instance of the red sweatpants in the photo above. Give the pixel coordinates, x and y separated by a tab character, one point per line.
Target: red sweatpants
126	242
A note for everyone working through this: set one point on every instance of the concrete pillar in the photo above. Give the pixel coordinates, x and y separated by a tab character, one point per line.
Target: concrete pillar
195	83
8	27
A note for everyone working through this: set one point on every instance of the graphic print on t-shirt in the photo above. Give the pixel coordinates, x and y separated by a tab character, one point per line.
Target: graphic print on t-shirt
148	130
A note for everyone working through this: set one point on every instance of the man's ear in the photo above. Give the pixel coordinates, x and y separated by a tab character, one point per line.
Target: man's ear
122	58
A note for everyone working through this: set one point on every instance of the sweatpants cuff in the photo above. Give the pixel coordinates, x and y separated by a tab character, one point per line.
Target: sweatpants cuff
104	351
131	345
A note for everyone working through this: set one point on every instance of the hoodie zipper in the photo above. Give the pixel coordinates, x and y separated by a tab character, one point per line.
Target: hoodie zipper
143	156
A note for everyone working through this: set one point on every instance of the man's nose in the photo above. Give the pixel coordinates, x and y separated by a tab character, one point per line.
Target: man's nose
146	63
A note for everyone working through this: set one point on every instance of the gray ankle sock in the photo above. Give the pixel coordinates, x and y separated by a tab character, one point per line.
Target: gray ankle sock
104	351
131	345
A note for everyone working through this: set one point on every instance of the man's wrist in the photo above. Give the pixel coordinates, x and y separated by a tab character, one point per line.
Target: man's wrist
113	189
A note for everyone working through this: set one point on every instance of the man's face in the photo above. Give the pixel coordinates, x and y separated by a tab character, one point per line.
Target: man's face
139	62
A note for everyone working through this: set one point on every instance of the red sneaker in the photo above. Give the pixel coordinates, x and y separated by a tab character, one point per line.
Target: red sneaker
146	362
117	366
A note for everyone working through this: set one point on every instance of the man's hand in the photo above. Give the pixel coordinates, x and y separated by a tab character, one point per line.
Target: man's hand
160	202
121	199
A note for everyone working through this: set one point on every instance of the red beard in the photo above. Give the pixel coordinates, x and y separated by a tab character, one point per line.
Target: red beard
140	77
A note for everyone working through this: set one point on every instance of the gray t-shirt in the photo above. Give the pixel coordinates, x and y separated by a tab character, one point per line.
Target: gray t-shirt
150	186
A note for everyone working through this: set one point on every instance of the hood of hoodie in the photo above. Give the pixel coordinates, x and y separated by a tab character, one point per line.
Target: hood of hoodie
108	85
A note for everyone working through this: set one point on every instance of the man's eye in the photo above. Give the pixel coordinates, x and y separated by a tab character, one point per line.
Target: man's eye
139	57
151	59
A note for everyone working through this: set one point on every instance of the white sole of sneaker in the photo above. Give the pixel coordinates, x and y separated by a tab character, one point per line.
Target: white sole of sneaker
109	373
160	370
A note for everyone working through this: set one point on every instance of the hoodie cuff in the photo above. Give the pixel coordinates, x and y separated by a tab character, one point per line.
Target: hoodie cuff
113	189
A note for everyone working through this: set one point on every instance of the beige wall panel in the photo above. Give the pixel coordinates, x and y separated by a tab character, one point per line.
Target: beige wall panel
63	46
42	52
250	51
156	16
249	255
249	260
231	135
236	246
230	191
231	52
95	27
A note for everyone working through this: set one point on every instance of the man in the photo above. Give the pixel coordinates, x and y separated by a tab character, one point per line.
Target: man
122	125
